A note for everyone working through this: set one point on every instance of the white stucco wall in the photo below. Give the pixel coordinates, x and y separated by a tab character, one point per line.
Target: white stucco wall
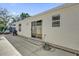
66	35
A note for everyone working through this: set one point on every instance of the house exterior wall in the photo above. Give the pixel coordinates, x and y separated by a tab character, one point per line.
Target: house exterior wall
66	35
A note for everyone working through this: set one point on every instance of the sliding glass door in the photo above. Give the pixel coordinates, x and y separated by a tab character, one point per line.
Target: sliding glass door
36	29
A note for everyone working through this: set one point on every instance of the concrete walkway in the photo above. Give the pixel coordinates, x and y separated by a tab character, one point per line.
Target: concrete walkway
6	48
29	48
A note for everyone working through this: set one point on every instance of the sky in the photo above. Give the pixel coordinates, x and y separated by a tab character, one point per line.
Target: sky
31	8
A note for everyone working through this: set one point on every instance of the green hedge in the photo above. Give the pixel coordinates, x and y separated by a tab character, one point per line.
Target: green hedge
2	25
1	28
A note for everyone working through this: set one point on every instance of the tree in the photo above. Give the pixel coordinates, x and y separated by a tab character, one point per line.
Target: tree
4	14
14	20
24	15
5	17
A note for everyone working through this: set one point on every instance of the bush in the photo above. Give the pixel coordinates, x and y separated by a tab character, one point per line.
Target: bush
1	28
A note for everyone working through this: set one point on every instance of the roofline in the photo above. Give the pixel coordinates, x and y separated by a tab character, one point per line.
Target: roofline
66	5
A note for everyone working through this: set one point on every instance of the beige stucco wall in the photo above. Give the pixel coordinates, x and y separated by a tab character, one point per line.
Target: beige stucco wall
66	35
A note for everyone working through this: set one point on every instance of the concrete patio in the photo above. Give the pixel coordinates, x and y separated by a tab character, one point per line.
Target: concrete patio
27	47
6	49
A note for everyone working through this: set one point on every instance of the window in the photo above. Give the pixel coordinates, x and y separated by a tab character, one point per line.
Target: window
19	27
56	21
36	29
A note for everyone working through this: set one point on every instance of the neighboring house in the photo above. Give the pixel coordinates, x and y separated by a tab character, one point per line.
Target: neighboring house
59	26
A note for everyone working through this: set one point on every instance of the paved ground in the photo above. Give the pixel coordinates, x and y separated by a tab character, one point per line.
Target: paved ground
7	49
29	47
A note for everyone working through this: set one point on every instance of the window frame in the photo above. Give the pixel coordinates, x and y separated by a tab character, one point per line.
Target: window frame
35	26
56	21
20	25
